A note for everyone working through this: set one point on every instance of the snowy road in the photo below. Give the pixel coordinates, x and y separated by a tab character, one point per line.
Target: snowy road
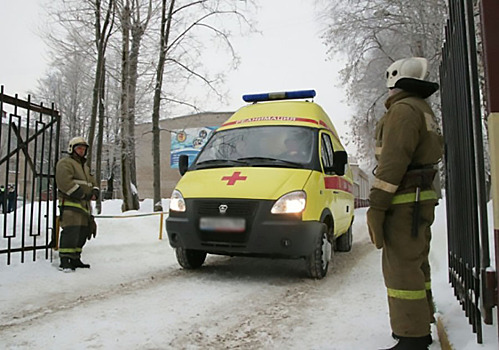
135	296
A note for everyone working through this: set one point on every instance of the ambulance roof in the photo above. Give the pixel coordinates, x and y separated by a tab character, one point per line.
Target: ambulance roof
284	112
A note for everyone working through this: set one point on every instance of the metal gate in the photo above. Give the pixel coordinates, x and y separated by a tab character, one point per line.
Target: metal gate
29	139
468	240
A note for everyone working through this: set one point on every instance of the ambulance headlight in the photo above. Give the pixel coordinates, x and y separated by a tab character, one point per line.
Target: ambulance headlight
177	202
290	203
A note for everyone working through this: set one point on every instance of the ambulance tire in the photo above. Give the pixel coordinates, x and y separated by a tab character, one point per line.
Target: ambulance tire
190	259
318	261
344	242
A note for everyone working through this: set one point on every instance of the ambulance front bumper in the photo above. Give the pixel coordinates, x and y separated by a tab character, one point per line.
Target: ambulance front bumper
247	228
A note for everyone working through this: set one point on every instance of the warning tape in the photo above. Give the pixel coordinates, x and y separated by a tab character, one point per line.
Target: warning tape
162	214
128	216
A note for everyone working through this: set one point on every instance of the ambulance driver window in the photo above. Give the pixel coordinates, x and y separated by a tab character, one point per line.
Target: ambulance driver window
326	151
296	144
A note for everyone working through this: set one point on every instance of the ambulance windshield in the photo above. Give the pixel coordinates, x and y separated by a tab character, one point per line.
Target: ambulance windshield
259	146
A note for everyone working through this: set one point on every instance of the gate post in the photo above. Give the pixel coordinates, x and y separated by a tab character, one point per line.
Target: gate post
489	11
493	125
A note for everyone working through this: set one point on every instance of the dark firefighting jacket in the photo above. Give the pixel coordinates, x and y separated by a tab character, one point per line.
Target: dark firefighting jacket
75	185
408	142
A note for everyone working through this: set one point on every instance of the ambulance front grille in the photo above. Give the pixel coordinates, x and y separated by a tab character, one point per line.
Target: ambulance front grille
240	209
243	209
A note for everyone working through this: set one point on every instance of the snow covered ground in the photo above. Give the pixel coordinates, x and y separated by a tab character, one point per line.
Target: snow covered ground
136	296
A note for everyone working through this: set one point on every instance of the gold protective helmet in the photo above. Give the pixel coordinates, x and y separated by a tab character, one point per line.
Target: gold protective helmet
75	141
409	74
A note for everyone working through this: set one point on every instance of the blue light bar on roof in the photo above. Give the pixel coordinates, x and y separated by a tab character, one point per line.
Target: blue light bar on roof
285	95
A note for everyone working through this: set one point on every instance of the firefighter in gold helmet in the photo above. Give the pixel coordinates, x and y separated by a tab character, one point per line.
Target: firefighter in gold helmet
409	144
77	187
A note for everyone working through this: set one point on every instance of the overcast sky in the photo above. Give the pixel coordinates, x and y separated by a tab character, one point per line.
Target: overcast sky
22	56
288	55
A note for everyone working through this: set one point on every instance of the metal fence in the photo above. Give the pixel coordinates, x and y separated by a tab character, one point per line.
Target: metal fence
29	139
468	242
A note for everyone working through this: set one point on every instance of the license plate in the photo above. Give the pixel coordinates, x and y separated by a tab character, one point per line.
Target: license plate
222	224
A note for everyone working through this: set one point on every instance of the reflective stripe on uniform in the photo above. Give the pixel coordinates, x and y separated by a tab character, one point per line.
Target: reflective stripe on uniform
377	151
67	203
72	189
70	250
385	186
411	197
428	285
83	182
406	294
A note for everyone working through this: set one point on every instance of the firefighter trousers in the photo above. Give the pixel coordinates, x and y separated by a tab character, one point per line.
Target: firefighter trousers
406	269
73	238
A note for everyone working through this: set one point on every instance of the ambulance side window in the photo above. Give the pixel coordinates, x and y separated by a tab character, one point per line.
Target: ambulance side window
326	152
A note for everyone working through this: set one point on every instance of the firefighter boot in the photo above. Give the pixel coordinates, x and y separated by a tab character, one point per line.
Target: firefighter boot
78	264
428	338
410	343
66	265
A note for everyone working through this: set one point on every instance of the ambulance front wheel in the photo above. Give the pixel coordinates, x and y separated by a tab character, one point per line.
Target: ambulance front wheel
318	261
189	258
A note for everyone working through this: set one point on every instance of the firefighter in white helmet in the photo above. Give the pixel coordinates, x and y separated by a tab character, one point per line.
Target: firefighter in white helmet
77	187
402	201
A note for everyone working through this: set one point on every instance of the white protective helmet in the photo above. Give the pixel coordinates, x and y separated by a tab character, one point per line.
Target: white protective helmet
75	141
413	68
409	75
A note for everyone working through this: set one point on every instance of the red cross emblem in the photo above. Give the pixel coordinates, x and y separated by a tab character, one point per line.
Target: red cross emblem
231	180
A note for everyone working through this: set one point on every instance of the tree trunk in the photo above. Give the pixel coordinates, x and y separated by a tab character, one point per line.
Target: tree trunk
137	30
156	144
100	136
97	82
133	58
126	179
101	36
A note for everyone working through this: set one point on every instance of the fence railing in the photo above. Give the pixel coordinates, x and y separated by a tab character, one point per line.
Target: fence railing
29	139
464	161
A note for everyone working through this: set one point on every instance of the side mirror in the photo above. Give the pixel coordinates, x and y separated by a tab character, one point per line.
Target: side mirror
340	160
183	164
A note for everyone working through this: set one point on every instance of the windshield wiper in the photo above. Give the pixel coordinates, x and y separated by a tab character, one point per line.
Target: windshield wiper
271	160
219	162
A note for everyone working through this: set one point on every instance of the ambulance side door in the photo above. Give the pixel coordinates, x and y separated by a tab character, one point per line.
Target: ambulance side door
331	184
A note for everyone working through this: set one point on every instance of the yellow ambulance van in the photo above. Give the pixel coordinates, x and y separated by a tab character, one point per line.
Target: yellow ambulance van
272	181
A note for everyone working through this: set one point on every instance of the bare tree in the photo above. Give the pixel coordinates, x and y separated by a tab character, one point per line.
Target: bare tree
100	133
371	35
84	28
126	178
181	22
81	30
138	28
102	33
133	27
68	85
165	34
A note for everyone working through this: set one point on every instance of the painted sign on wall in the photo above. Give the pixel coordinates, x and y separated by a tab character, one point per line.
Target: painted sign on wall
188	141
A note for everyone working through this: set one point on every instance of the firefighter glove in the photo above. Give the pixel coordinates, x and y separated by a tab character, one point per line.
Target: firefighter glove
88	195
95	193
92	232
375	222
